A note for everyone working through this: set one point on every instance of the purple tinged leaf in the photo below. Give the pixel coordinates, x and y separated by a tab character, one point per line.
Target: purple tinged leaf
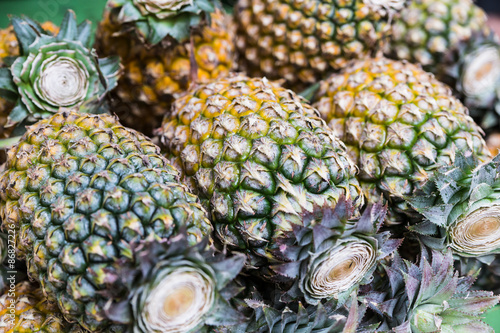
474	304
424	228
228	269
403	328
353	318
290	269
300	233
389	246
411	286
320	234
475	327
223	314
426	288
119	313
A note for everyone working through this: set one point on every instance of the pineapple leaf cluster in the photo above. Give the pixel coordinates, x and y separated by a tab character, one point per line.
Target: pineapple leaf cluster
156	19
54	72
429	297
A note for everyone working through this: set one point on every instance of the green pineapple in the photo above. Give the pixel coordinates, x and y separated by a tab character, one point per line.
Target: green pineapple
31	313
78	189
171	286
258	156
302	41
399	125
452	39
428	297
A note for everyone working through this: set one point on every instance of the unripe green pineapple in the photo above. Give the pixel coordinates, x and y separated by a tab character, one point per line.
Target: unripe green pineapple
259	156
25	309
399	124
77	189
303	40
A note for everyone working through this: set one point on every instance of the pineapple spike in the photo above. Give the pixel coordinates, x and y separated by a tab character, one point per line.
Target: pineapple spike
171	286
428	297
334	252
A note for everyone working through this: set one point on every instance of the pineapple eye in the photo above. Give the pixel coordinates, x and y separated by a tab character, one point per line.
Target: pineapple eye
179	301
478	233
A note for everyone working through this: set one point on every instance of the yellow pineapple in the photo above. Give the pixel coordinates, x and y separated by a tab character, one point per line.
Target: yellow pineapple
157	67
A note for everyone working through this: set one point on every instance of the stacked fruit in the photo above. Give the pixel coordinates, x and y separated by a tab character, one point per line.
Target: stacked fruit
373	207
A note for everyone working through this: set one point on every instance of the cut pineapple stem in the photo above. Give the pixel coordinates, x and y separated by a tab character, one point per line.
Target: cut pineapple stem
345	266
478	233
482	73
179	301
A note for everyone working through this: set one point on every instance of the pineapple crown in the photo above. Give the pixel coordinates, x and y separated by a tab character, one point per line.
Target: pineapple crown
461	206
55	72
154	20
333	252
171	286
429	297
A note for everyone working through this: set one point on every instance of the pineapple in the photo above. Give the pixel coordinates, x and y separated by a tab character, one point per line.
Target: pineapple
25	309
54	72
261	159
258	156
428	297
452	39
399	124
302	41
77	189
171	287
160	61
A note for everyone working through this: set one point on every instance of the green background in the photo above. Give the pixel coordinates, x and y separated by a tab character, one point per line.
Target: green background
53	10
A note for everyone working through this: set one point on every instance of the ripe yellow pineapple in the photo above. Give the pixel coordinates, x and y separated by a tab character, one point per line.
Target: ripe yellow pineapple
159	65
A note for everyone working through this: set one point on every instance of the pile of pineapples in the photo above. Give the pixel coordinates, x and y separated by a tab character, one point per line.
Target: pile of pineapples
251	166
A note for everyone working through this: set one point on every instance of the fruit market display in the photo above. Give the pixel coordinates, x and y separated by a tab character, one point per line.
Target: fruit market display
250	166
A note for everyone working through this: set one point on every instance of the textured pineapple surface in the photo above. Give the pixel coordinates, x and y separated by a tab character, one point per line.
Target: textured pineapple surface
432	33
301	41
78	189
399	124
258	155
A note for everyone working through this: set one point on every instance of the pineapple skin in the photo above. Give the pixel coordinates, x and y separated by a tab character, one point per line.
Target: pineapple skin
432	33
258	156
399	124
78	189
32	312
302	41
154	75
